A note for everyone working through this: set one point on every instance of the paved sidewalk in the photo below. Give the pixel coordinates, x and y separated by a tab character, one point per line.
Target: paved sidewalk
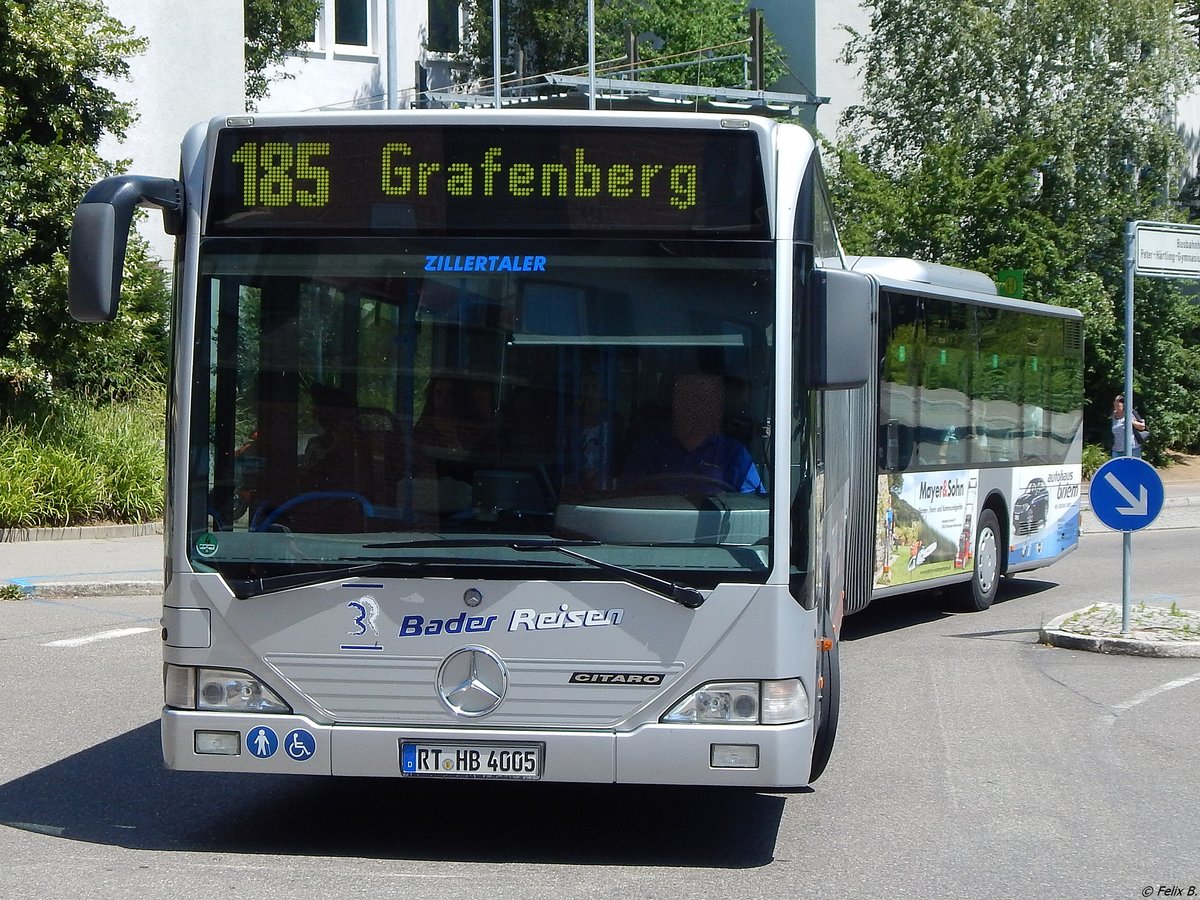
109	560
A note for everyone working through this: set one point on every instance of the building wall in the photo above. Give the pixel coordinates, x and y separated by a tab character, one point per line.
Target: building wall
330	75
193	69
836	80
812	34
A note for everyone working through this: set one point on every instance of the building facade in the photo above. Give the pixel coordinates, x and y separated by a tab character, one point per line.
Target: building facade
194	67
177	82
347	64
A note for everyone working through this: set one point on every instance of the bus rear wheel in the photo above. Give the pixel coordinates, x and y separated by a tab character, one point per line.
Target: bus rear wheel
980	591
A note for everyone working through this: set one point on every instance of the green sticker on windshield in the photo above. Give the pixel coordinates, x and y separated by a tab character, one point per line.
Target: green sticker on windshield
206	544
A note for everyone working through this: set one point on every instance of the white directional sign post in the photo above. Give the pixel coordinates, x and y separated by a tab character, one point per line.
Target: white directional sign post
1152	250
1165	250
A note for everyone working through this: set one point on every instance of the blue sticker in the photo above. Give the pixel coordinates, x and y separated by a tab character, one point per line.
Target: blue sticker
262	742
300	745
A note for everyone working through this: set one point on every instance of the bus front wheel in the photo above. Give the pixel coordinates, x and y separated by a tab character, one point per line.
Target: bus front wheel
980	591
828	702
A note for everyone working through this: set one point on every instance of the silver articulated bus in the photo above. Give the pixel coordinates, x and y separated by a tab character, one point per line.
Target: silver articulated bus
544	445
979	428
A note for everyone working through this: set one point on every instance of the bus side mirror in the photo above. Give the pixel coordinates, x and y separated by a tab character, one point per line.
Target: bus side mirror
100	234
843	328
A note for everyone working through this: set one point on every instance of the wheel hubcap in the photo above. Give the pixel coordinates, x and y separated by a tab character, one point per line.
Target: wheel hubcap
986	560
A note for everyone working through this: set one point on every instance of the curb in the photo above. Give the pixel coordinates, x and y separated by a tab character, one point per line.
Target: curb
80	532
65	590
1053	635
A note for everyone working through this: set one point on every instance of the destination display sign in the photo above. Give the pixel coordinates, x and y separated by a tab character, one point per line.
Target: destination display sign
486	180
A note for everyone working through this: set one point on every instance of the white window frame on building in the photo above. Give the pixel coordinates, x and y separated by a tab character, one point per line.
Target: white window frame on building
325	40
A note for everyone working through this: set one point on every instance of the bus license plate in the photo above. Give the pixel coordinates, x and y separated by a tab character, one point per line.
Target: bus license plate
469	760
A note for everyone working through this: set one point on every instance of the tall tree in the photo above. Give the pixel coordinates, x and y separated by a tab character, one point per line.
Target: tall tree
55	58
552	36
1023	134
274	29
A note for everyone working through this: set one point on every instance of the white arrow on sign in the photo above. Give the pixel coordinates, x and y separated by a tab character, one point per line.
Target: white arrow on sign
1138	506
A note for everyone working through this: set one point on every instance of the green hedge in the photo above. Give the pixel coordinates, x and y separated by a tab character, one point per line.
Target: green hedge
82	464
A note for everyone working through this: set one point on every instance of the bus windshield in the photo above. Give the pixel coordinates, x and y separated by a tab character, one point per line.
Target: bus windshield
466	405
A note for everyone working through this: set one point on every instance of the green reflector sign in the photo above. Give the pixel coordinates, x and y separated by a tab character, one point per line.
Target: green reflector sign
1011	283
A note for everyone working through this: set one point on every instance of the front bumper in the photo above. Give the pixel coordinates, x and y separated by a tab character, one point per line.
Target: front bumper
652	754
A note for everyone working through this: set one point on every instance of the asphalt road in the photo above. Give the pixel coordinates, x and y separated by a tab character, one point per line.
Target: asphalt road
971	762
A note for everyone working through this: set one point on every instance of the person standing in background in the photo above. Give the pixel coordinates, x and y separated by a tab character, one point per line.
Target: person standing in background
1118	429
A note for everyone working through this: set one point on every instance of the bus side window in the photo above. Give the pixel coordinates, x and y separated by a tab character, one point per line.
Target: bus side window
899	397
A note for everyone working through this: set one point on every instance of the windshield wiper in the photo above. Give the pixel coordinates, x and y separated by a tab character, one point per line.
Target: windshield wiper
245	588
456	542
676	593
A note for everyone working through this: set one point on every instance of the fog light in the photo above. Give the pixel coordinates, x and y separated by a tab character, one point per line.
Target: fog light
733	756
219	743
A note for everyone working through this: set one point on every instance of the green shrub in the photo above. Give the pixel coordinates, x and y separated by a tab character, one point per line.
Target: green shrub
1094	457
79	463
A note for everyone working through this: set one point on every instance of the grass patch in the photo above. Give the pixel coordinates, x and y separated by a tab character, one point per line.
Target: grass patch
82	463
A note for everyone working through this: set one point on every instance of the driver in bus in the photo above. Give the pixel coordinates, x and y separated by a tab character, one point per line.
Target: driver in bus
694	455
329	456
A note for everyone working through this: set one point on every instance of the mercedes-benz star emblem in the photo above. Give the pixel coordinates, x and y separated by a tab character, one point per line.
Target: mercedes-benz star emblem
472	681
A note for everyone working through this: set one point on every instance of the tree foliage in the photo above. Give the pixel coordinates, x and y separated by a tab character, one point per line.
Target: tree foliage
274	29
1023	134
55	58
552	35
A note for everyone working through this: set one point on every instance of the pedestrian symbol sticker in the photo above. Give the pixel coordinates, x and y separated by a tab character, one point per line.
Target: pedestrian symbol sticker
262	742
300	745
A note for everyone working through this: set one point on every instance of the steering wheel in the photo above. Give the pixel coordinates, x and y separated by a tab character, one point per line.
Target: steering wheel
264	522
683	483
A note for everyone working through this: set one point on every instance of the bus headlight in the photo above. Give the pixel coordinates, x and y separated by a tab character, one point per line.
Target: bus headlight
228	691
219	690
743	703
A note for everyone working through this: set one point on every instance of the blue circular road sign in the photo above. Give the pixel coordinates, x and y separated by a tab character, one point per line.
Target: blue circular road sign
1126	494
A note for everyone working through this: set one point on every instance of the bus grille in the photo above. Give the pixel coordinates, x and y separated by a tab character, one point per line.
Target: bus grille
395	690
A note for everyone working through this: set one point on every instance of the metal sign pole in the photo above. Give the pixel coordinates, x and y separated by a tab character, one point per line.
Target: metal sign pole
393	77
591	29
1152	250
1127	536
496	52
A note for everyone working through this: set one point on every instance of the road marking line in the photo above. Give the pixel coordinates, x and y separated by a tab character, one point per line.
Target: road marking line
1155	691
101	636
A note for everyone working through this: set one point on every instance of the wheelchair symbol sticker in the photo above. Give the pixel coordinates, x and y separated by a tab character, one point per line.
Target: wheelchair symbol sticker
262	742
300	745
